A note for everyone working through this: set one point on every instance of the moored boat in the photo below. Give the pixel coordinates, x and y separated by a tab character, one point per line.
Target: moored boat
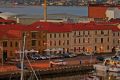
110	64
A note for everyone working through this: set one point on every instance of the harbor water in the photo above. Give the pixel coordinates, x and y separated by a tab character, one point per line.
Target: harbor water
87	76
38	10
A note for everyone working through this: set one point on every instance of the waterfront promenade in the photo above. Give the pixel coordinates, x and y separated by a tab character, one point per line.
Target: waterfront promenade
43	68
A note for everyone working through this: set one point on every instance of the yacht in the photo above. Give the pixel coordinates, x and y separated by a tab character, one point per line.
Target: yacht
111	64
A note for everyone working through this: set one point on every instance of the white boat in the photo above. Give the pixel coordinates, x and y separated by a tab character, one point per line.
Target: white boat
93	77
110	64
101	67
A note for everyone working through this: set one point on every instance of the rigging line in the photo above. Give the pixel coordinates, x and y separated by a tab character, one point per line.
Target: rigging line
10	76
31	67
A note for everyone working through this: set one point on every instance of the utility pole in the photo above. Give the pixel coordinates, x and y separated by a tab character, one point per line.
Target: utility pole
45	10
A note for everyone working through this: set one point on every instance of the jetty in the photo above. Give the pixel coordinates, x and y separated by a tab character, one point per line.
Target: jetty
13	75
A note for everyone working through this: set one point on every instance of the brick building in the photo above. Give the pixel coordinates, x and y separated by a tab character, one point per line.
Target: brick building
71	37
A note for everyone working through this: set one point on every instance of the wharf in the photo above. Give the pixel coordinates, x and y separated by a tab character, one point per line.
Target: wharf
14	75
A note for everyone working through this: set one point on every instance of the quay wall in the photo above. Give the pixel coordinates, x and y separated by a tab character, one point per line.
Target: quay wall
47	71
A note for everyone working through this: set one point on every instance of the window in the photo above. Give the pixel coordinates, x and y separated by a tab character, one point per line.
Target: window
33	42
102	32
4	43
107	47
95	48
101	40
59	42
95	40
67	42
34	34
83	40
75	41
63	35
75	49
79	33
74	33
83	32
88	32
54	35
118	41
50	35
95	32
83	48
108	39
68	35
113	34
50	43
113	41
59	35
108	32
11	44
79	40
16	44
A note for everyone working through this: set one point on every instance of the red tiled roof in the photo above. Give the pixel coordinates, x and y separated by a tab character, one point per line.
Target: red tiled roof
52	27
96	27
64	27
13	30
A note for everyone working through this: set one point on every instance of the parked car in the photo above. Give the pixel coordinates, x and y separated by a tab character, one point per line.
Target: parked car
66	55
88	53
72	55
18	65
100	58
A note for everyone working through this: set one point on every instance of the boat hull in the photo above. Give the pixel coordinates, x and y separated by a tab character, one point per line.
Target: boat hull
114	69
100	67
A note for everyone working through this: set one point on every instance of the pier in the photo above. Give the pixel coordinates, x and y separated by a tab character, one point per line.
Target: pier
14	75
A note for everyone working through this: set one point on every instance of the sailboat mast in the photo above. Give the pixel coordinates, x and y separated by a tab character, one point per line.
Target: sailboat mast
22	57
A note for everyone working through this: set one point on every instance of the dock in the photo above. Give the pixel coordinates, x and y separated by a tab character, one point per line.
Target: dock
13	75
